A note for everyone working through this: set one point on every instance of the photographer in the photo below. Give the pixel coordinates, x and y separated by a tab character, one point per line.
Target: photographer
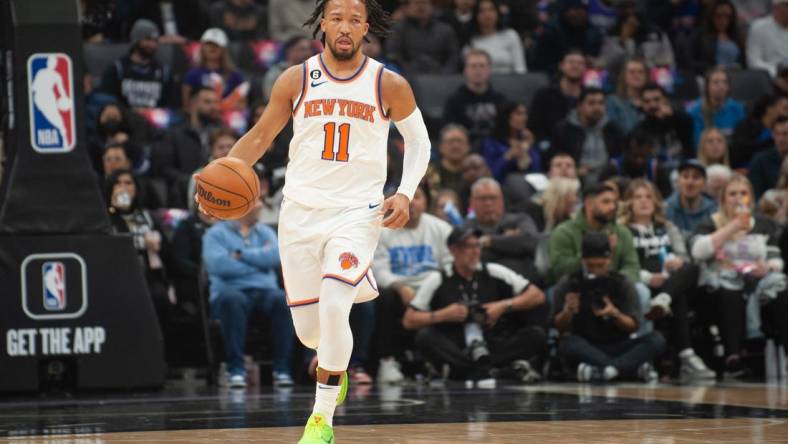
597	312
480	318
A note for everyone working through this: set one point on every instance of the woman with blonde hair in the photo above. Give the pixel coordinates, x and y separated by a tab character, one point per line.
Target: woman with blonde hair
713	148
740	261
559	201
665	269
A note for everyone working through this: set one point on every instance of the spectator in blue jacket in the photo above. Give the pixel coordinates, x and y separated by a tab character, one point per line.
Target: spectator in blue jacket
689	206
242	259
511	148
716	107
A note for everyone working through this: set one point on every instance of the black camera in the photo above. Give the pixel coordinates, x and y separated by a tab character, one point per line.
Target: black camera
592	290
476	313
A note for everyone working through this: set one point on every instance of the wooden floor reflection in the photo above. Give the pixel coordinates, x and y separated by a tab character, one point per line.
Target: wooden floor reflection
742	430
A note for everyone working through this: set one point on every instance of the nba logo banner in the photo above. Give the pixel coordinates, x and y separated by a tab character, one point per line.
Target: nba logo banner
54	284
50	86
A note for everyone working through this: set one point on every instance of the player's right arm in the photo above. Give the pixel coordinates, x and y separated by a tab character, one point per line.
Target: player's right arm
258	139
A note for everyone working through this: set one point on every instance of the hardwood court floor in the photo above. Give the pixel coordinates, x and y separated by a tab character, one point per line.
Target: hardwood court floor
548	413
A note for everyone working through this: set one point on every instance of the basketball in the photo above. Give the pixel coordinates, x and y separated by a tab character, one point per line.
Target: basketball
227	188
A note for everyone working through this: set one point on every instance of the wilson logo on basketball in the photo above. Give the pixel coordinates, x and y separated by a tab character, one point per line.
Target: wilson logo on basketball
348	260
209	197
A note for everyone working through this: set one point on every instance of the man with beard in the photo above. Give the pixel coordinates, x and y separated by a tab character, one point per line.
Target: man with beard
342	104
597	214
671	129
555	101
137	79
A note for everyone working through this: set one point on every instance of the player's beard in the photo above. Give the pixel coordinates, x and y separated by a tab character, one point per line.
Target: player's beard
343	56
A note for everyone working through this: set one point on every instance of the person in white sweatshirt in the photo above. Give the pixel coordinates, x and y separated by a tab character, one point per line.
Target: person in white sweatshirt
767	42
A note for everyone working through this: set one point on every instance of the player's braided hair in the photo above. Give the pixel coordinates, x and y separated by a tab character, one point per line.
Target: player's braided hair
377	17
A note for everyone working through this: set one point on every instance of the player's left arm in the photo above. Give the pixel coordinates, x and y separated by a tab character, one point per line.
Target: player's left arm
399	102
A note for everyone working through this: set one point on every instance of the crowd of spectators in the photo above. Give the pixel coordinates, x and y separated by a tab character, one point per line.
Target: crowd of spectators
609	226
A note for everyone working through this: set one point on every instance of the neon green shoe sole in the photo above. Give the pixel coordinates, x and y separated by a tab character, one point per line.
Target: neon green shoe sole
317	431
343	390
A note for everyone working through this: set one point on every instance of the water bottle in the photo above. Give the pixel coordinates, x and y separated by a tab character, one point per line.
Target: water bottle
452	214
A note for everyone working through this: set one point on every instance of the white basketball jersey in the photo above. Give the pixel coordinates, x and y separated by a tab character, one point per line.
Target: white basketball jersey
340	136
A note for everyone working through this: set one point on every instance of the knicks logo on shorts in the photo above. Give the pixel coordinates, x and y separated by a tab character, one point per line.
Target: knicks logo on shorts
51	99
348	260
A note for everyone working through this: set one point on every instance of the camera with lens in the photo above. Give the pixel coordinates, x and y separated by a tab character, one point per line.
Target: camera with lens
592	289
476	313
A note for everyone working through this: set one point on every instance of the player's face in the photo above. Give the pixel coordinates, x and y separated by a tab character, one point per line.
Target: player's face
344	24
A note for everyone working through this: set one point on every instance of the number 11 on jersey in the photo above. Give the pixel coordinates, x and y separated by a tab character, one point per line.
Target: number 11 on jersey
344	140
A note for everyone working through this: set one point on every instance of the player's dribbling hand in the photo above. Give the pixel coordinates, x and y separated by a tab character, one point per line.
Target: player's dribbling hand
399	206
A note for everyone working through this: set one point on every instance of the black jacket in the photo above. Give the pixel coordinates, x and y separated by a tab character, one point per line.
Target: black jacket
569	138
747	141
476	112
551	107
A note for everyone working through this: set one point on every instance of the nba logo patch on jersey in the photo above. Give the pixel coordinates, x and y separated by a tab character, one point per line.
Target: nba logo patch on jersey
51	97
54	284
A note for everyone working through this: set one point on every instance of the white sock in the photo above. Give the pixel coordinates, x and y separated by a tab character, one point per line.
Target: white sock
326	401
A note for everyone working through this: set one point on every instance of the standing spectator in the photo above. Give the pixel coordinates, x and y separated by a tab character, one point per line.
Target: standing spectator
242	258
587	135
717	42
137	79
713	148
296	50
240	19
496	319
638	161
767	42
460	18
715	108
669	127
509	239
403	260
286	18
511	148
474	104
623	107
765	168
597	311
555	101
688	206
446	173
502	44
598	214
421	44
216	69
665	269
754	134
634	36
740	260
570	30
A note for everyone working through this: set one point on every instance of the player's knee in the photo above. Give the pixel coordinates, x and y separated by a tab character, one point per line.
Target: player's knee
310	339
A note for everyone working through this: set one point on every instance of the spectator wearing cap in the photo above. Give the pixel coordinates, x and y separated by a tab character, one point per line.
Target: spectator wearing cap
216	69
286	18
781	79
571	29
597	214
296	50
240	19
476	316
765	167
421	44
596	310
137	79
767	41
689	206
670	128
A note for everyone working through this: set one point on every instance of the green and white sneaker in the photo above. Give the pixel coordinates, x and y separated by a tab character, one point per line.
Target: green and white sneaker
317	431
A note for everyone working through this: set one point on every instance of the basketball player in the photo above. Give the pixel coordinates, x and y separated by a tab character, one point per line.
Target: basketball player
342	103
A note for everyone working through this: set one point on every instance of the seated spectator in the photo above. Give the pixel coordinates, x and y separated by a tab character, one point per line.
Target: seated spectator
242	259
520	190
670	128
454	147
115	124
502	44
715	107
185	148
570	30
555	101
137	79
216	69
240	19
638	161
403	260
221	142
634	36
460	18
296	50
509	239
118	156
688	206
717	42
766	41
765	167
495	320
473	168
598	214
713	148
511	148
718	177
474	104
559	201
624	107
286	18
665	268
421	44
740	260
754	134
780	83
588	135
128	217
596	309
